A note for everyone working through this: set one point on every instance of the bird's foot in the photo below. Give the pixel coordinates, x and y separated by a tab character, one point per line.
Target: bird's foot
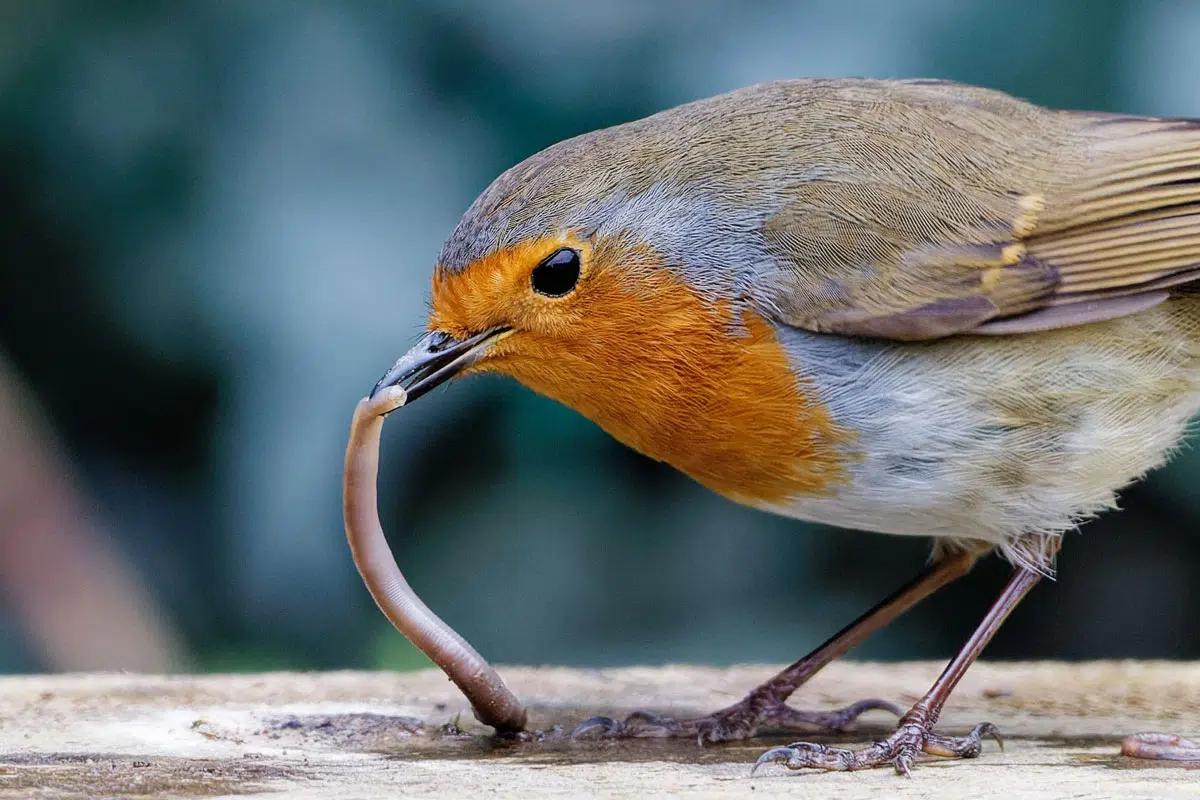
739	721
1165	746
900	750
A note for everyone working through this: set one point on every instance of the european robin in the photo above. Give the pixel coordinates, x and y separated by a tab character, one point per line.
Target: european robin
913	307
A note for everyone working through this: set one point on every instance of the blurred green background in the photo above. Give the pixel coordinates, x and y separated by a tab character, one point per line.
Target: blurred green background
218	224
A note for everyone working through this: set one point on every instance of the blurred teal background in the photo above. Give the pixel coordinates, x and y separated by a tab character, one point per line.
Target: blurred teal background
218	224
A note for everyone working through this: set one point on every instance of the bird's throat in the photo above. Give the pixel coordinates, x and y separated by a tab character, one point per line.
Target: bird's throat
681	381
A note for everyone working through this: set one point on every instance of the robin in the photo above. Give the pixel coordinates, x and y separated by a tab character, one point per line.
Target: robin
913	307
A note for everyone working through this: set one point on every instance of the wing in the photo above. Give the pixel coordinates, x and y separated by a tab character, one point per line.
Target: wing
958	210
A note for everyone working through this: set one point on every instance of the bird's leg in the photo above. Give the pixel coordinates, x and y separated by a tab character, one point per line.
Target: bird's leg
764	706
915	733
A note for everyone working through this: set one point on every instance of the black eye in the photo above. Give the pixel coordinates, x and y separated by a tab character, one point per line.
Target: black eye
557	274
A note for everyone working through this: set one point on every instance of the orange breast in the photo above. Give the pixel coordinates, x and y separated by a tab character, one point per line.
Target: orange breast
661	369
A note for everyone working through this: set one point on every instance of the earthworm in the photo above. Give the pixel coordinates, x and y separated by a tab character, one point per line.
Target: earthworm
493	703
1160	745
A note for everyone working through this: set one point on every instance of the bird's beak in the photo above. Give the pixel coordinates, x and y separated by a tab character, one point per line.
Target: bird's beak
435	359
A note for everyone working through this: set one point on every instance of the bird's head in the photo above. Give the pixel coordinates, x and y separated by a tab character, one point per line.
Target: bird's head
604	273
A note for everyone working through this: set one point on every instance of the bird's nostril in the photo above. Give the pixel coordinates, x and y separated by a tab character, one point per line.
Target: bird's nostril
439	340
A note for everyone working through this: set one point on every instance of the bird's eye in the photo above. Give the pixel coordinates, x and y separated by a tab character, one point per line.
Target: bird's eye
557	274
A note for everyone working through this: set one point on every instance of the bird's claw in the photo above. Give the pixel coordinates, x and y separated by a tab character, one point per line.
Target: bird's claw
597	728
739	721
900	750
638	725
841	720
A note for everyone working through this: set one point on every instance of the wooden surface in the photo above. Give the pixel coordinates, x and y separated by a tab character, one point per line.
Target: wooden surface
380	735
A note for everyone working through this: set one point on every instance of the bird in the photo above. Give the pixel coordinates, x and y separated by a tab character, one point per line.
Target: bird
914	307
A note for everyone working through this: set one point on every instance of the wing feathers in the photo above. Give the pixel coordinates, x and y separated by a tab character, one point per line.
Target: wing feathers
1080	244
1127	232
1045	319
1134	227
1065	219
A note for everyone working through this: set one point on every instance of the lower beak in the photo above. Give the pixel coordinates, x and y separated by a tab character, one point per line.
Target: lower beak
435	359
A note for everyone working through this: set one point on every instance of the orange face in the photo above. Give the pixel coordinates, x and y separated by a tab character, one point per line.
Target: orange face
653	362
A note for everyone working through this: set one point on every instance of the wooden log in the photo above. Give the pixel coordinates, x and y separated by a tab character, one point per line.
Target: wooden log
376	735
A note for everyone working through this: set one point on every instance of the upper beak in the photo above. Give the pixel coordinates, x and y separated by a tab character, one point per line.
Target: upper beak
436	358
